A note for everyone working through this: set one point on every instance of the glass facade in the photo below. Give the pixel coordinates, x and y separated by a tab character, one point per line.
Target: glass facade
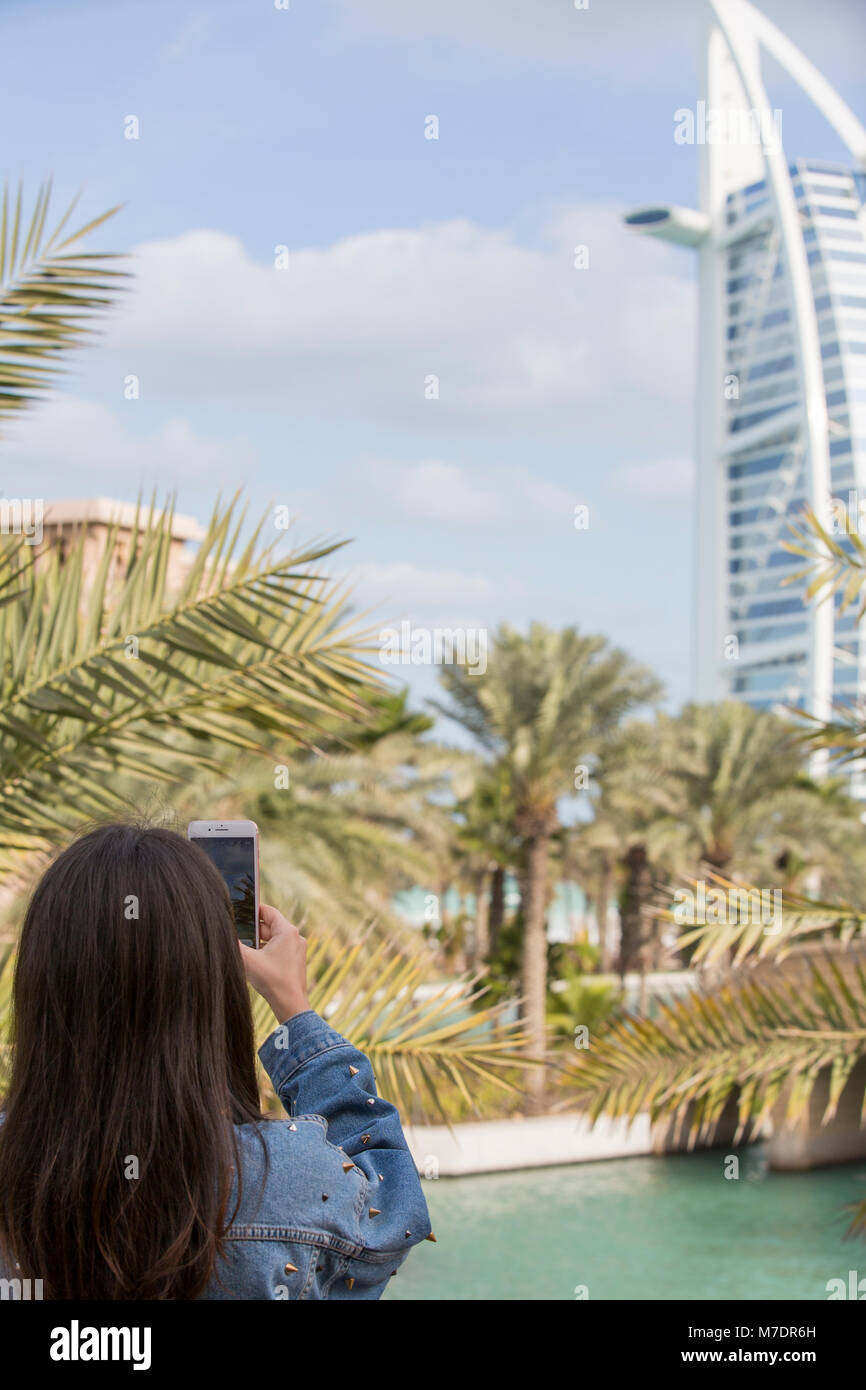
765	481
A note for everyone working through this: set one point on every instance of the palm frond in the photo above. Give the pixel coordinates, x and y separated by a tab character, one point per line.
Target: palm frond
843	734
49	296
763	1042
831	567
835	568
104	677
380	996
738	925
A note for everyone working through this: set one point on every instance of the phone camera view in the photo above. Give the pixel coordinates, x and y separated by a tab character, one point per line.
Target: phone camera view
234	856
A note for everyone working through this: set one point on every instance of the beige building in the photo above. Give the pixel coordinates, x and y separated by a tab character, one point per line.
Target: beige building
63	523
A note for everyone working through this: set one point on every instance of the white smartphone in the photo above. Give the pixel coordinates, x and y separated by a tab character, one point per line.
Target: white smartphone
233	845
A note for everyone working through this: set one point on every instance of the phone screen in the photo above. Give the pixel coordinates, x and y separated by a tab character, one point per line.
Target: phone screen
235	857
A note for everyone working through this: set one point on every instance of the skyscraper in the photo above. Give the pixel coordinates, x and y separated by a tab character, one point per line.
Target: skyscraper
781	405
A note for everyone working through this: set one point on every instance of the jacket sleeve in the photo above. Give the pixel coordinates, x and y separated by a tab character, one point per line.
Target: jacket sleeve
316	1071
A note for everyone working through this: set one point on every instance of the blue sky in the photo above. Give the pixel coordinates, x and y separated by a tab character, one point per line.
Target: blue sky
407	257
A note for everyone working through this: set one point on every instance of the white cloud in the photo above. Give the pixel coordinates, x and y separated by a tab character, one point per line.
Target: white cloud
192	33
665	480
70	445
355	328
546	500
402	588
436	491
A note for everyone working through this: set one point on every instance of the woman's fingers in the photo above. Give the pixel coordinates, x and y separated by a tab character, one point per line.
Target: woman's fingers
267	919
271	922
278	970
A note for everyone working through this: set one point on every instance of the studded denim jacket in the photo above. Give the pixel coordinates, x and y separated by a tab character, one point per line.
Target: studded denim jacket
331	1202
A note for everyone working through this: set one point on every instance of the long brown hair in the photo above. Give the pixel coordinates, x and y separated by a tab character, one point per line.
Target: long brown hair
132	1056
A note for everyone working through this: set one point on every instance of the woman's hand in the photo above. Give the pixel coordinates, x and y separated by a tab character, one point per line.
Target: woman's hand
278	969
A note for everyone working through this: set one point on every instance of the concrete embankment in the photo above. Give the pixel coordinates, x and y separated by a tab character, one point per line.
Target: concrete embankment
812	1140
491	1146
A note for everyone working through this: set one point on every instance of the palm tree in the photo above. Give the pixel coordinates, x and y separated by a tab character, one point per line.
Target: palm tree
792	1017
639	797
750	797
487	848
546	701
101	679
49	295
590	858
718	789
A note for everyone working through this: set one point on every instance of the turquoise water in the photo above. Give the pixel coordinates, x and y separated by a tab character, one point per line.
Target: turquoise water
638	1228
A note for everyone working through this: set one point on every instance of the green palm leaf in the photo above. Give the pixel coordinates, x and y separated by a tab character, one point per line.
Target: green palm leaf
831	567
371	992
762	1041
49	296
743	935
104	677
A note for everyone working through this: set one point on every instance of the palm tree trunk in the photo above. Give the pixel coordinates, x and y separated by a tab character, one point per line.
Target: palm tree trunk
481	939
523	886
638	885
643	996
603	917
497	905
534	963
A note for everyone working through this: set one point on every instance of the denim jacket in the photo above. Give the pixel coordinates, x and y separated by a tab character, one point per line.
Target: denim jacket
339	1205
